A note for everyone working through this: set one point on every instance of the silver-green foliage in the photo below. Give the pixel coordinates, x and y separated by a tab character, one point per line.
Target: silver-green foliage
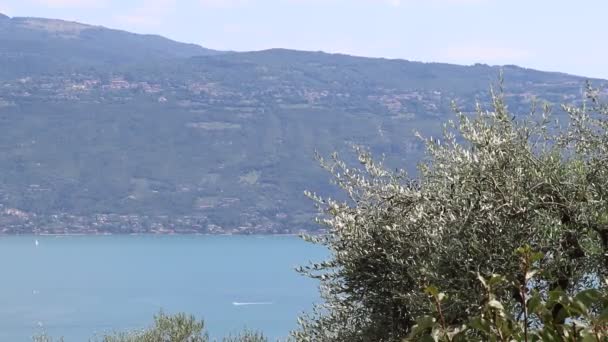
493	183
179	327
167	328
582	316
44	337
246	336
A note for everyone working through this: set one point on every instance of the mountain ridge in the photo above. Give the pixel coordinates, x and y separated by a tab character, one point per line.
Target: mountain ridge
102	139
41	45
198	50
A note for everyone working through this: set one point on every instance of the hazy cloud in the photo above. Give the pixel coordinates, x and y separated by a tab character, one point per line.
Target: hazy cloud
433	2
395	3
4	9
150	14
222	3
71	3
465	53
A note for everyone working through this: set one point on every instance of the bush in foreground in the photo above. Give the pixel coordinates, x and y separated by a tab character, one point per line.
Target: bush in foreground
493	183
169	328
554	316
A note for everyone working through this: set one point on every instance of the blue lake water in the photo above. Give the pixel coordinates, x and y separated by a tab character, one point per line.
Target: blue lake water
78	286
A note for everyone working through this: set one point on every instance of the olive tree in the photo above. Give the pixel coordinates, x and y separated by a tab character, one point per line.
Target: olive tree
166	328
494	182
583	315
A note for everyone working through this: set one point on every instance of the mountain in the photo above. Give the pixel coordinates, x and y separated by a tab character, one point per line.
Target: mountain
98	138
37	45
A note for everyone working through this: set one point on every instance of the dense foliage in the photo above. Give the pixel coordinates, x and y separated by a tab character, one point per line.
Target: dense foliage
536	316
493	183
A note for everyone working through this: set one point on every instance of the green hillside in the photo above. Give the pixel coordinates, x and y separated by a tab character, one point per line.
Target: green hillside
109	131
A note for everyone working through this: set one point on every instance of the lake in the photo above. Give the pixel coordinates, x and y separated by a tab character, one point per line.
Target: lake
77	286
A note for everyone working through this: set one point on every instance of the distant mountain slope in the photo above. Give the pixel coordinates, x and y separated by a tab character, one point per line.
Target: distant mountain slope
39	45
338	71
96	137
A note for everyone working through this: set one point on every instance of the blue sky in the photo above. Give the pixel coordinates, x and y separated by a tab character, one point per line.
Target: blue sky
558	35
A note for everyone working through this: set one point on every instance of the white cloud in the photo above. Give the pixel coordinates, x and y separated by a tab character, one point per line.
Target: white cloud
150	15
71	3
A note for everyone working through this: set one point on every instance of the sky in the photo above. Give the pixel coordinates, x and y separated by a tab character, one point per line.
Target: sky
552	35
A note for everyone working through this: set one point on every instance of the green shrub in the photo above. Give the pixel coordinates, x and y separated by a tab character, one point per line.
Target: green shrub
493	183
534	316
246	336
169	328
179	327
45	338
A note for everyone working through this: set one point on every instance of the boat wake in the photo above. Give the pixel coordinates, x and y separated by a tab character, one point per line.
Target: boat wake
250	303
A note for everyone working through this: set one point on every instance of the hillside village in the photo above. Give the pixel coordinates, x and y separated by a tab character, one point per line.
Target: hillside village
203	96
210	94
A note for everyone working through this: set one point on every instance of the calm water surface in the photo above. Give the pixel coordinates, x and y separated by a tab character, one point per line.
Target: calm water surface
77	286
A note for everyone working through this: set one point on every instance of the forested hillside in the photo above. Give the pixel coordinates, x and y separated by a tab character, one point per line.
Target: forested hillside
108	131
